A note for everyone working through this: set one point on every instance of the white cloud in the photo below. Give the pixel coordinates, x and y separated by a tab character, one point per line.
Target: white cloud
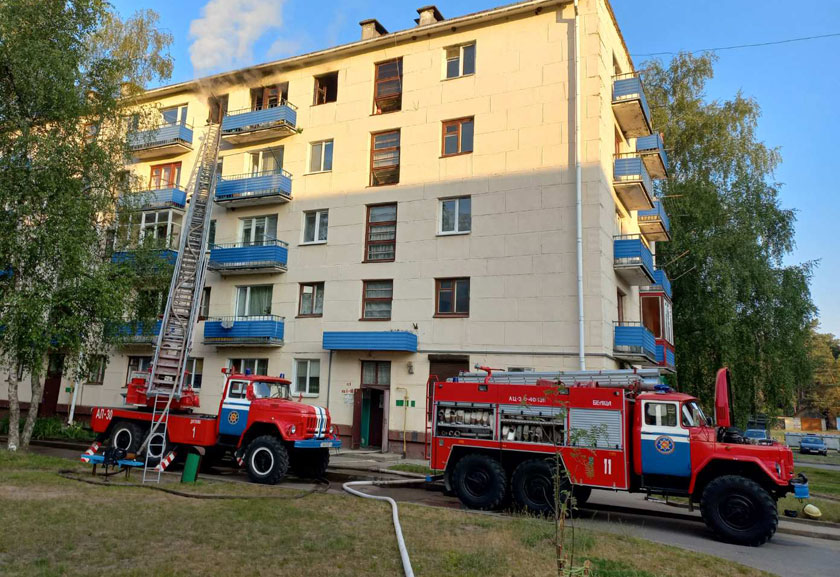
225	34
284	47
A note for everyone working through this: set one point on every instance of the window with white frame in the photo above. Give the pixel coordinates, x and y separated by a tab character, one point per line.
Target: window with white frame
315	223
204	306
253	301
258	230
269	160
455	215
195	368
321	156
307	379
137	365
460	60
311	299
174	114
255	366
96	370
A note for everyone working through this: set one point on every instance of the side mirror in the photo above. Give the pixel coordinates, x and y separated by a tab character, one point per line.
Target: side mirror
249	393
709	421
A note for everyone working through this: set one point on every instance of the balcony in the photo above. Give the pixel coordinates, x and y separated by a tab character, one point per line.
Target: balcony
164	140
652	149
173	196
632	260
661	284
270	187
235	331
654	223
128	256
268	256
370	341
665	355
136	333
249	125
632	182
634	343
630	106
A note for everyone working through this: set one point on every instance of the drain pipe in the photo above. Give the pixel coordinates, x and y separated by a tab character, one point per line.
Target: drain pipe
579	195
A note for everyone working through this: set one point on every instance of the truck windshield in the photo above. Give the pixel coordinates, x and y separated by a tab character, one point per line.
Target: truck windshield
270	390
692	415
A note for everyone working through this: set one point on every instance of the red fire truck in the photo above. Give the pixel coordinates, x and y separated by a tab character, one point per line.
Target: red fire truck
505	435
258	421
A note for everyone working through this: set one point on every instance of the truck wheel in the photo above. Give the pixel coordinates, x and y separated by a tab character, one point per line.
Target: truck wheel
311	463
581	494
267	460
157	447
479	482
532	486
739	510
127	436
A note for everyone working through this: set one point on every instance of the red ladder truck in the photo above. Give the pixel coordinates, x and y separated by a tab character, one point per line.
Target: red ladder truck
498	435
258	421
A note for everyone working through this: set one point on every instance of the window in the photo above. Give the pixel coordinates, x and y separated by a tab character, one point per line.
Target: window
652	315
321	156
315	225
269	160
311	299
457	137
460	60
376	299
387	92
269	96
257	230
661	414
137	365
381	235
256	366
96	370
620	305
204	307
326	88
307	379
455	215
165	176
520	369
159	225
217	108
452	297
376	373
253	301
385	158
194	367
211	233
174	115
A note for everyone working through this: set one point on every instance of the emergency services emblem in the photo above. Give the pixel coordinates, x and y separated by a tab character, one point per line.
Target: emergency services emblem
233	417
664	445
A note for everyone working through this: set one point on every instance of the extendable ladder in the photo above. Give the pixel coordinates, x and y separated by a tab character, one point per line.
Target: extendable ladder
173	346
619	378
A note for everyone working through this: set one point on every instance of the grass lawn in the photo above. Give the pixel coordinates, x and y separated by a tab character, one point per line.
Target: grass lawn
833	458
53	526
820	482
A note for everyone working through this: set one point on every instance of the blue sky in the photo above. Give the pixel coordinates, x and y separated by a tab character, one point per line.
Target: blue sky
797	84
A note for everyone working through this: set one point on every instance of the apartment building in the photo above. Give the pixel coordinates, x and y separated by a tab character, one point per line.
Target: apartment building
406	206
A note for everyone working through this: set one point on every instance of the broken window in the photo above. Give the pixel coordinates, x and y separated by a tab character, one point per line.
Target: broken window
326	88
269	96
387	95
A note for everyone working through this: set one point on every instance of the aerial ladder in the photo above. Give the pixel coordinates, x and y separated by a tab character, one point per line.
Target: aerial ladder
166	378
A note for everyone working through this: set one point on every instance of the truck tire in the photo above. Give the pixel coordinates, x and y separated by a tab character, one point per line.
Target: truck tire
127	436
480	482
157	447
267	460
581	494
739	510
311	463
532	486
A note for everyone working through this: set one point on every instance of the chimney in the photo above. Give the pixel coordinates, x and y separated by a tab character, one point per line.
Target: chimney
371	28
428	15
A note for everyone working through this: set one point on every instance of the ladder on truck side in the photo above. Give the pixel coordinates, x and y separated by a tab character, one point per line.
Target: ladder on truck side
166	380
618	378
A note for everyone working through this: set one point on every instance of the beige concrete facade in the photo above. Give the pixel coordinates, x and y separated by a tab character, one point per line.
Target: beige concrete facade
520	252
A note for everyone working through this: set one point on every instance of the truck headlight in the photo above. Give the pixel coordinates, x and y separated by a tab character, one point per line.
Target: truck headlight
293	429
778	470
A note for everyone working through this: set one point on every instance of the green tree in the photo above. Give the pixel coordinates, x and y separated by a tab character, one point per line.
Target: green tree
735	303
68	71
822	391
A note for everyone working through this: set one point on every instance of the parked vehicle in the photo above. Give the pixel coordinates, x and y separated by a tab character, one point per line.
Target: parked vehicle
756	434
812	444
509	434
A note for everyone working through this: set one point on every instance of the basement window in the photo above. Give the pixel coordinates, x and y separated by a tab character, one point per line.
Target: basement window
326	88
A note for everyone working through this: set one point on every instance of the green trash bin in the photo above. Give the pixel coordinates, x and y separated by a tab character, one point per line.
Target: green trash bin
191	466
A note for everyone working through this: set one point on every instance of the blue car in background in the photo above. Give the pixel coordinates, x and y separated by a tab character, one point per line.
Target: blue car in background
813	444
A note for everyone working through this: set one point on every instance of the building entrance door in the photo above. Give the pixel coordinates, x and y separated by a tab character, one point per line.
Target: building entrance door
52	385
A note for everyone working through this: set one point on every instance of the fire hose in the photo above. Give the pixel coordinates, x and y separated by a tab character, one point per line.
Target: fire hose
406	562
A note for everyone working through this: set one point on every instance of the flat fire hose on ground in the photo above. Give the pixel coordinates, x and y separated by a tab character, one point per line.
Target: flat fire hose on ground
406	562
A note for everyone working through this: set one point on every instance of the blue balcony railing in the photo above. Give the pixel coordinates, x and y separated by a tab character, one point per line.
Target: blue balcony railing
652	149
170	196
164	135
630	105
654	223
128	256
136	332
634	341
256	187
244	330
630	168
283	116
267	255
664	356
630	253
660	278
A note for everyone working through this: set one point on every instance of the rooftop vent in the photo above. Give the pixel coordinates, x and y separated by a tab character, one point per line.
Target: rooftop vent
428	15
371	28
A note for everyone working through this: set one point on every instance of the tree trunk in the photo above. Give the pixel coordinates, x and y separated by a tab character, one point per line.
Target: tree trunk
14	410
32	415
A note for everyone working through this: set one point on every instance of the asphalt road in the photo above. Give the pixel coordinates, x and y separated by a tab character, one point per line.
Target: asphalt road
785	555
